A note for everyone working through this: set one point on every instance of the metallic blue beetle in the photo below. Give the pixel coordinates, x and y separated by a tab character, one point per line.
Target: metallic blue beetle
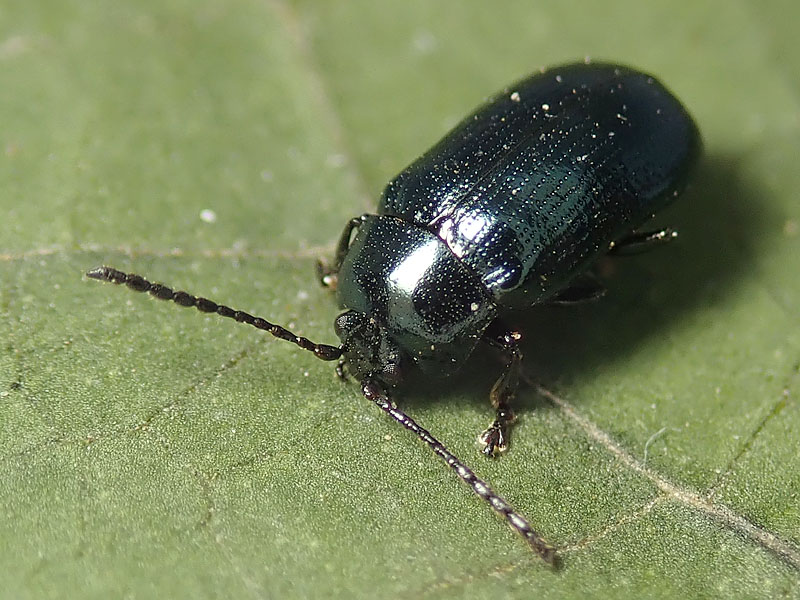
509	210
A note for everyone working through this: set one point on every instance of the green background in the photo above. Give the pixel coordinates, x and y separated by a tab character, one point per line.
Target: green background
148	451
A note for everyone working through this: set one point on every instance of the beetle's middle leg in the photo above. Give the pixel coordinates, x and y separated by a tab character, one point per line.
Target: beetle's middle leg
496	438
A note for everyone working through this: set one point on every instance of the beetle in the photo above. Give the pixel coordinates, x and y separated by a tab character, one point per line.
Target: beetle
508	211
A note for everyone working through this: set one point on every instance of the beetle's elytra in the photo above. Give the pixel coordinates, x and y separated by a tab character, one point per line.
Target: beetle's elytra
509	210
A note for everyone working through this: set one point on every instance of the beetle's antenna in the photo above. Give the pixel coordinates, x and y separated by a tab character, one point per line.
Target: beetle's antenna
137	283
372	391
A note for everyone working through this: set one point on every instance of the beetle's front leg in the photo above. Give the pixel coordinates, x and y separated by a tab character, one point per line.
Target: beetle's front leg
340	372
496	438
326	272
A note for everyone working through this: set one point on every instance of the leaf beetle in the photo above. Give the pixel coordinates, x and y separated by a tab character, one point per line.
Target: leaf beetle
508	211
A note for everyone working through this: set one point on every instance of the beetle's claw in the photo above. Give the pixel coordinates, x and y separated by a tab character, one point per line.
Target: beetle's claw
494	440
326	274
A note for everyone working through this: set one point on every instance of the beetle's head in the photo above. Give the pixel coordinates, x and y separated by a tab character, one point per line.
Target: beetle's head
368	349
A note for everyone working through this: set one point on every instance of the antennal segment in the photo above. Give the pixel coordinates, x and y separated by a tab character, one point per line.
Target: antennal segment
373	392
137	283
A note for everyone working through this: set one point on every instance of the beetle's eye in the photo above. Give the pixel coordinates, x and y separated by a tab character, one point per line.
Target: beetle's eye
346	323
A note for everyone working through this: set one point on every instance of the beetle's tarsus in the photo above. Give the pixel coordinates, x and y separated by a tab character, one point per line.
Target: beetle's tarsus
340	369
584	288
497	437
326	275
638	242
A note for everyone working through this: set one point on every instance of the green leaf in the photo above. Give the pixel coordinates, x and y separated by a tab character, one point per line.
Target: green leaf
153	452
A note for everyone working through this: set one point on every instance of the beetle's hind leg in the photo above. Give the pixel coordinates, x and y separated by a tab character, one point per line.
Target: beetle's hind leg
642	241
497	437
583	288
